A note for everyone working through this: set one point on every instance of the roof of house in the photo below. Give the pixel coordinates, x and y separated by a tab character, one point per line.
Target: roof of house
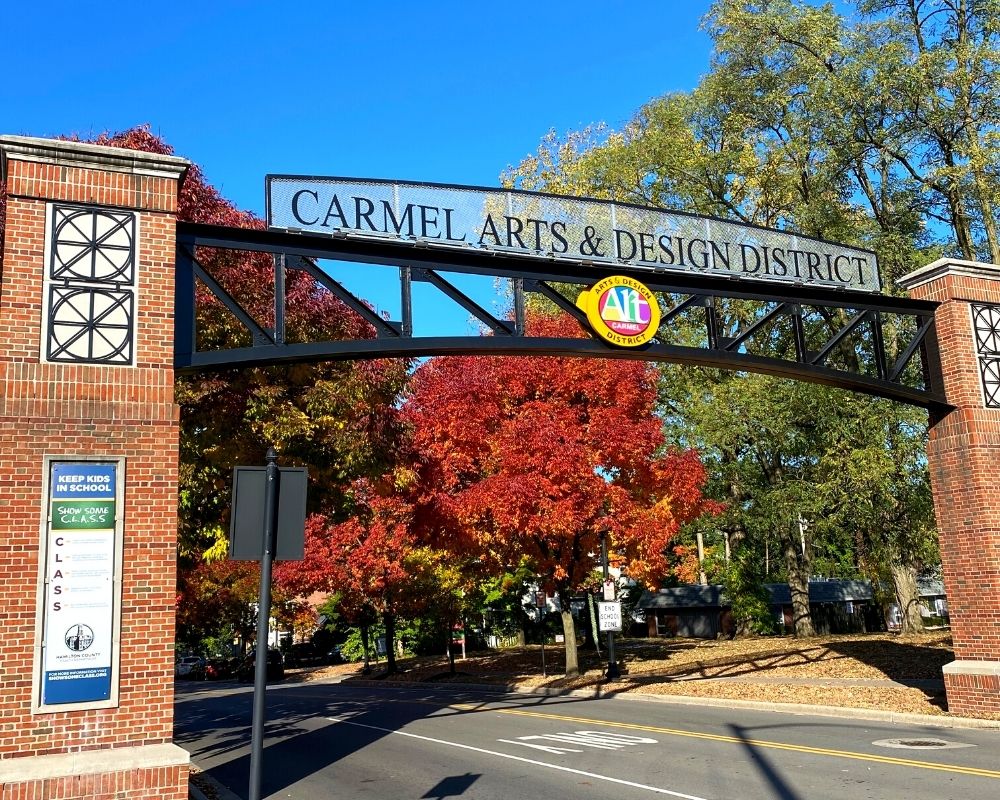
930	587
822	591
689	596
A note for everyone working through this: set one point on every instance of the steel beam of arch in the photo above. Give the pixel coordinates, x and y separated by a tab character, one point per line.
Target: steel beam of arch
535	272
504	264
589	348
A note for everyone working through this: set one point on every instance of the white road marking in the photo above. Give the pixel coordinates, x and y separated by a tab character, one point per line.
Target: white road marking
598	739
654	789
544	747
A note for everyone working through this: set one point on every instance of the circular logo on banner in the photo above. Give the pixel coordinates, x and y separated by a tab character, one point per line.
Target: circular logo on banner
621	310
79	637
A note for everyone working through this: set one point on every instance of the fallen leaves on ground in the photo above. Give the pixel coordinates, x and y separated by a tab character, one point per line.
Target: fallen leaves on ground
740	669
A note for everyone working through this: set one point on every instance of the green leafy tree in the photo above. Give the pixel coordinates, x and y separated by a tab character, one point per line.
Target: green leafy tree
803	124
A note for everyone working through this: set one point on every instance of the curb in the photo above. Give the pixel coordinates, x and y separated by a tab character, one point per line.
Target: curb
216	791
798	709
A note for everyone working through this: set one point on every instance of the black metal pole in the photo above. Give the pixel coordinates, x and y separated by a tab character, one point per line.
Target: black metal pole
541	613
272	481
612	664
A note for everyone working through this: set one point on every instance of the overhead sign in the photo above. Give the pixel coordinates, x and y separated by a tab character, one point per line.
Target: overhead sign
609	616
79	582
621	310
553	226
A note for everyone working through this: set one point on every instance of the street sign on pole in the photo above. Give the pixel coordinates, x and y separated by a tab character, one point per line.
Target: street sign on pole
249	492
609	616
268	522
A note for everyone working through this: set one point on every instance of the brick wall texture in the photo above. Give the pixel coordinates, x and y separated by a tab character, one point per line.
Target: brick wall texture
167	783
95	411
964	458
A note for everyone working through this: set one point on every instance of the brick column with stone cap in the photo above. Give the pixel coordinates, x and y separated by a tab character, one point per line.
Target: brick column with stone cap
963	454
86	374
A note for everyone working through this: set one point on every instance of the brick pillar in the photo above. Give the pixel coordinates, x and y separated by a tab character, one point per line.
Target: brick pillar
86	375
964	458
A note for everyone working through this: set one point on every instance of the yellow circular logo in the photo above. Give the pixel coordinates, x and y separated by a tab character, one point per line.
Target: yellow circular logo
621	310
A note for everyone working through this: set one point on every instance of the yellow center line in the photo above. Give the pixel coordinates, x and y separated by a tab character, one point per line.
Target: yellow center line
763	743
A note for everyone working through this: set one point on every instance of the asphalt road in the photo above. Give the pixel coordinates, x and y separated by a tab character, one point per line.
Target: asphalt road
331	741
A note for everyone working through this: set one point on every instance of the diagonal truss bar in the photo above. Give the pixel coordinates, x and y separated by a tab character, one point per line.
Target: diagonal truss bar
466	302
742	336
694	301
560	300
838	337
926	323
259	335
382	327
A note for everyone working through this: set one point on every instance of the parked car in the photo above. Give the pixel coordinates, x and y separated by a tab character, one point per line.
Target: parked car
218	668
275	666
191	667
303	655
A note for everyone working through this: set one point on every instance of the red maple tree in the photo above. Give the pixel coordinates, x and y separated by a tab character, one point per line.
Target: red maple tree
371	560
536	456
338	418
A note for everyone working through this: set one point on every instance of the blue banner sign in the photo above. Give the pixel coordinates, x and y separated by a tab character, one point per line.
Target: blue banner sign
81	480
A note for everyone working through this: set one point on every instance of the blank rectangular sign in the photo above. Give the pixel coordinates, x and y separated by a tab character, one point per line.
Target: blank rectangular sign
246	527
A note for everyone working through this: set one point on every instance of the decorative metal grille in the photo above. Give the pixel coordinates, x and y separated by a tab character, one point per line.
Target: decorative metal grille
90	285
986	324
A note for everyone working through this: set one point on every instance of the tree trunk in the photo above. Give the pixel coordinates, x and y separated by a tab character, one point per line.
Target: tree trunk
904	580
594	635
797	567
569	638
390	642
960	221
451	650
364	647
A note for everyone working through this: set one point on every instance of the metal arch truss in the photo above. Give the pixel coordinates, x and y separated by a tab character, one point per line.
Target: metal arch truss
870	343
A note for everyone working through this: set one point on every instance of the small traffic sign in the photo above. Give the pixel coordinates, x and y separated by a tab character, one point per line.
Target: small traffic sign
609	616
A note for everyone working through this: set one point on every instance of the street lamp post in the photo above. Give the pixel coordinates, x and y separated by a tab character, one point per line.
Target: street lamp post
613	672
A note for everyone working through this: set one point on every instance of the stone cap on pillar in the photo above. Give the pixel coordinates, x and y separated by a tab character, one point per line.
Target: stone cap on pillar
64	153
945	266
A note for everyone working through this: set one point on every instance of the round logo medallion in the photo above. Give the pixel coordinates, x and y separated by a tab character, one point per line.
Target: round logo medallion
621	310
79	637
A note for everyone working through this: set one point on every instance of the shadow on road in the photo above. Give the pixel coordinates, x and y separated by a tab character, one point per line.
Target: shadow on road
452	786
214	726
779	788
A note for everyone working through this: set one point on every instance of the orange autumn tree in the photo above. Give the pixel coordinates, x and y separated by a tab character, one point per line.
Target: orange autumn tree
533	456
372	560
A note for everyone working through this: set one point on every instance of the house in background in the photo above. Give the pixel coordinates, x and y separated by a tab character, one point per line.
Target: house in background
933	606
836	606
704	612
690	611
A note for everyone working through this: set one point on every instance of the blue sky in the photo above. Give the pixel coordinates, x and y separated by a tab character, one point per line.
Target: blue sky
439	91
446	91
